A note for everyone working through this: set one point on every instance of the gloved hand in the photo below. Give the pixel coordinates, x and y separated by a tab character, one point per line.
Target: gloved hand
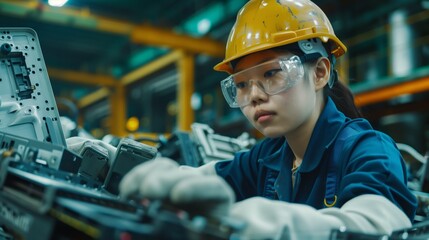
186	188
76	144
271	219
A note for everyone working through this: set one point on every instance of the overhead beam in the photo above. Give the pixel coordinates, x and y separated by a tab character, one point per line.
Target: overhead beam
83	78
93	97
386	93
150	68
83	18
108	82
157	36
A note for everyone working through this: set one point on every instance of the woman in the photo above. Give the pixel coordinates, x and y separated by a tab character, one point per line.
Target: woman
321	167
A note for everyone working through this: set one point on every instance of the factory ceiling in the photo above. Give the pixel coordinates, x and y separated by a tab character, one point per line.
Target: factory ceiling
99	41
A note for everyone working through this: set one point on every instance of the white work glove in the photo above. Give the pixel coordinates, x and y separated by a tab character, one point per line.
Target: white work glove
186	188
271	219
76	144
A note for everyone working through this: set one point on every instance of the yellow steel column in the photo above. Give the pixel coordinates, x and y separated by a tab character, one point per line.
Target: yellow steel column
185	88
118	110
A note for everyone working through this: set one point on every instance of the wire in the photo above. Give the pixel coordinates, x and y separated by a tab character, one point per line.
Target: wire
410	150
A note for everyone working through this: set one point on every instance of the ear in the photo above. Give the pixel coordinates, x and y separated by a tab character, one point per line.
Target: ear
322	71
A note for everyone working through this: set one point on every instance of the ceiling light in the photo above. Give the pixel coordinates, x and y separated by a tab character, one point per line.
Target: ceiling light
204	26
57	3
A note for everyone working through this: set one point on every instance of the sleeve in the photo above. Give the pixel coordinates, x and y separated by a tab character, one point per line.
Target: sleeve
244	173
375	166
369	213
240	173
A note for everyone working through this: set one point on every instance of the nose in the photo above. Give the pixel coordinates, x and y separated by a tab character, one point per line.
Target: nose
257	93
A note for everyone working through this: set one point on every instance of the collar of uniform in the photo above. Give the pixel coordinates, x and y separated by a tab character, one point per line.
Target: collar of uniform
324	133
276	160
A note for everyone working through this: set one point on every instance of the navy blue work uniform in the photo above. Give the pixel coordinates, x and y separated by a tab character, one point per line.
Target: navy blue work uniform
369	163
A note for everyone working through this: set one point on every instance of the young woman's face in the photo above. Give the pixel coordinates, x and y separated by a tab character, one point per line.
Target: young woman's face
281	113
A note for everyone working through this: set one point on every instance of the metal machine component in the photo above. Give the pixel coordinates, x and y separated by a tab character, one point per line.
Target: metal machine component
94	161
181	148
45	154
37	203
129	154
213	146
27	103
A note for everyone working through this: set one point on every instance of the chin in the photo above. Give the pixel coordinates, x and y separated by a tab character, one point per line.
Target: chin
271	132
273	135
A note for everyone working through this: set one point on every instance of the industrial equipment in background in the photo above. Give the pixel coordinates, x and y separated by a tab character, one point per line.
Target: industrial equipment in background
50	192
203	145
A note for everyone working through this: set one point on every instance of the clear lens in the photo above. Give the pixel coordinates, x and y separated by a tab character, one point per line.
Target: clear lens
271	77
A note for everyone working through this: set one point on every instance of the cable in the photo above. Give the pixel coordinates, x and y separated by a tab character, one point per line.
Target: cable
410	150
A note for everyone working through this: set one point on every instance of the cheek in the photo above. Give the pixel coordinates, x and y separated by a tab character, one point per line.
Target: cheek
296	101
292	97
247	113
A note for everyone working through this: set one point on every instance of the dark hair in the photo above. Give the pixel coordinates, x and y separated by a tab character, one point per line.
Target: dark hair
342	97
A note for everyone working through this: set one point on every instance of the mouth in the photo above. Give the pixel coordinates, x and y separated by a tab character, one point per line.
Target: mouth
261	114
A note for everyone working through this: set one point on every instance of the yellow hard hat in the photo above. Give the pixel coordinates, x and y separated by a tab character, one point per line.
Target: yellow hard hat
265	24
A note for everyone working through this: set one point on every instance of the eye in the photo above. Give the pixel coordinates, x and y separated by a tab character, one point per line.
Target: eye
241	85
271	73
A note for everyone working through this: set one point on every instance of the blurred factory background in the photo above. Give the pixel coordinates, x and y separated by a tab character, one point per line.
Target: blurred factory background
145	67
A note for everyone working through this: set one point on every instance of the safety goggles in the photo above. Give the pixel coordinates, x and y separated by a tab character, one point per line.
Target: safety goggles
272	77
